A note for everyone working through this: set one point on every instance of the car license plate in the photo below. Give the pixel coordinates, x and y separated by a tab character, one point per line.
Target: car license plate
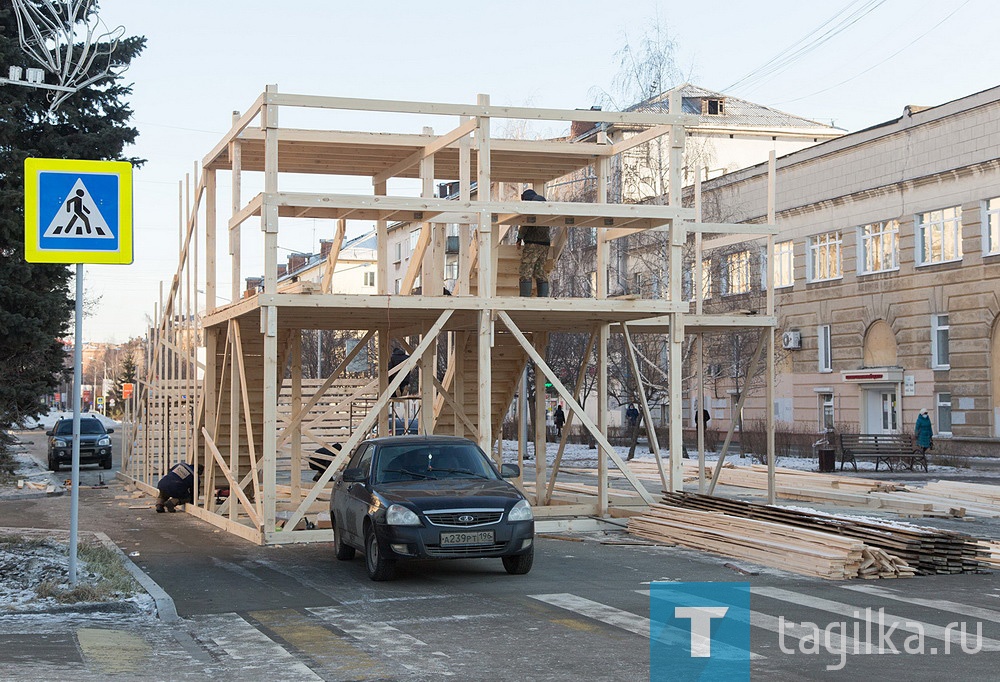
482	537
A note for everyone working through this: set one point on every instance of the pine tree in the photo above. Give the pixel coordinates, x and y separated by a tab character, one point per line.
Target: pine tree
36	303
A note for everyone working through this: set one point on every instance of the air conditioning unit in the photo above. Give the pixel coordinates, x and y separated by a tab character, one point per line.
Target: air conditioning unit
791	340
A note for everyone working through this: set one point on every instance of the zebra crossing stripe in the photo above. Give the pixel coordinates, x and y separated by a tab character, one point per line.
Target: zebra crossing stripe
787	629
406	650
614	617
862	614
965	610
259	656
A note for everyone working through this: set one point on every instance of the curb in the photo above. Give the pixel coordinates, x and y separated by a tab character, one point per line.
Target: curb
165	608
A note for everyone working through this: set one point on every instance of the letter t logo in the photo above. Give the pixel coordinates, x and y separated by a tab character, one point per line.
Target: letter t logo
701	626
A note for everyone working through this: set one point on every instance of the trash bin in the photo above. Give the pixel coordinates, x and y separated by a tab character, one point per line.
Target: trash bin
827	459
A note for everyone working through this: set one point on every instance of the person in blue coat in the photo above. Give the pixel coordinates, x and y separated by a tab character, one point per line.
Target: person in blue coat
923	431
177	487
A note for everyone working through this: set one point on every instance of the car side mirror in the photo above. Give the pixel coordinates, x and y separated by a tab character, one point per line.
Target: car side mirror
49	432
111	430
354	475
510	470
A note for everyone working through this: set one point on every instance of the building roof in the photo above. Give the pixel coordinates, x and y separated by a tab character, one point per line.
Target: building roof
736	112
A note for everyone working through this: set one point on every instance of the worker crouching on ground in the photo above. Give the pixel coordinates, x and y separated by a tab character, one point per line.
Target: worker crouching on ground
177	487
534	252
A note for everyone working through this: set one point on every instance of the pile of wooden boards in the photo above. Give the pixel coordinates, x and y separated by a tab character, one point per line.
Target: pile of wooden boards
936	499
926	550
808	552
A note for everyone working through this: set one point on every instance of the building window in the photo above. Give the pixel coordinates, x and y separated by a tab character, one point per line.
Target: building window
939	342
399	252
414	237
706	279
451	270
713	107
369	279
825	411
879	247
398	286
736	273
784	261
939	235
825	353
637	283
824	257
991	226
943	414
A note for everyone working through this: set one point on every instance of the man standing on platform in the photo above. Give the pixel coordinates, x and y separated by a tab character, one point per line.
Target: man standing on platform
534	253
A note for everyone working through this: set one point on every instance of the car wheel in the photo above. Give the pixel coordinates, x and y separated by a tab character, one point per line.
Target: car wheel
379	567
107	463
344	552
520	564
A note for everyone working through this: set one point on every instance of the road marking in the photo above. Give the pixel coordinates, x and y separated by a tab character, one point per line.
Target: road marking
259	656
114	651
333	652
939	604
626	620
861	614
406	650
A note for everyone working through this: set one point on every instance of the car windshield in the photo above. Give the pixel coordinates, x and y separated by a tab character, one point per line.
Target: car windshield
431	461
87	426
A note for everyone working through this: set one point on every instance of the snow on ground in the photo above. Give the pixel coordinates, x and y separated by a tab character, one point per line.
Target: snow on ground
25	565
582	456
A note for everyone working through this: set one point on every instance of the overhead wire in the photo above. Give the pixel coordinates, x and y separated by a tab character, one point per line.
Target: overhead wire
880	63
848	16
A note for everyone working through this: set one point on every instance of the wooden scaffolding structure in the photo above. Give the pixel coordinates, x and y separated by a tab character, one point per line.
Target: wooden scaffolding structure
252	429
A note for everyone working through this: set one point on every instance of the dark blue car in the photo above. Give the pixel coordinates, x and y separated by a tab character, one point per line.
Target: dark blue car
429	497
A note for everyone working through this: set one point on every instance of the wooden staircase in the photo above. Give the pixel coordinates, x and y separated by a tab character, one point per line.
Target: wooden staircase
508	362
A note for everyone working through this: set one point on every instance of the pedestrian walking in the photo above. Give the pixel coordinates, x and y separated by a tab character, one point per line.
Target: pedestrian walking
924	432
559	418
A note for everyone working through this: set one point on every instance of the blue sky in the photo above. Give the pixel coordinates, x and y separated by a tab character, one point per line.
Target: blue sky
207	59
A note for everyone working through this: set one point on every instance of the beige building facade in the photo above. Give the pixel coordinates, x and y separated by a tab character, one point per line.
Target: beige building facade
887	274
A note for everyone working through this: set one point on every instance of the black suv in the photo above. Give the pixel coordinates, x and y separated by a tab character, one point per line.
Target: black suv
95	443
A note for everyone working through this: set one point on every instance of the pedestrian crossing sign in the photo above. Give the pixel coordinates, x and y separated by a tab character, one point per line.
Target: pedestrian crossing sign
77	211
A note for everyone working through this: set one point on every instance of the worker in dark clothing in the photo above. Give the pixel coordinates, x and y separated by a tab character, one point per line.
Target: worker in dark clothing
177	487
322	463
534	253
398	357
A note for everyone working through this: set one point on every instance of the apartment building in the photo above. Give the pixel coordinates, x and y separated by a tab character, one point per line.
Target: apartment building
886	272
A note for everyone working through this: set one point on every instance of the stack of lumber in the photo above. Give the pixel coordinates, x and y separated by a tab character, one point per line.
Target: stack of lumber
926	550
938	499
991	549
808	552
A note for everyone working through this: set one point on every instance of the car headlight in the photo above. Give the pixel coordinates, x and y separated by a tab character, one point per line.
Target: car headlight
398	515
59	443
106	440
521	512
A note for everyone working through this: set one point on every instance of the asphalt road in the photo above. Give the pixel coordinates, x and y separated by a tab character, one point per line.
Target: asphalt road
295	613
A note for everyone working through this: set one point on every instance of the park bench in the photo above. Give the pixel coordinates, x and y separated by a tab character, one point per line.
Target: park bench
885	448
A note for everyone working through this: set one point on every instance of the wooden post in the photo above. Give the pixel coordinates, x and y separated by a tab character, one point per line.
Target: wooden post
769	379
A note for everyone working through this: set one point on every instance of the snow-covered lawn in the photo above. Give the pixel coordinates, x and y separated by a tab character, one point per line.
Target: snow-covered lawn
577	455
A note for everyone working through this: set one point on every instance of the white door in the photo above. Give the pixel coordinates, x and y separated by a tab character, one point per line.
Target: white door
880	411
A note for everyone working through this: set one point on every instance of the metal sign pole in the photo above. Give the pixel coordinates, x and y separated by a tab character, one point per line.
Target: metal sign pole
74	504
